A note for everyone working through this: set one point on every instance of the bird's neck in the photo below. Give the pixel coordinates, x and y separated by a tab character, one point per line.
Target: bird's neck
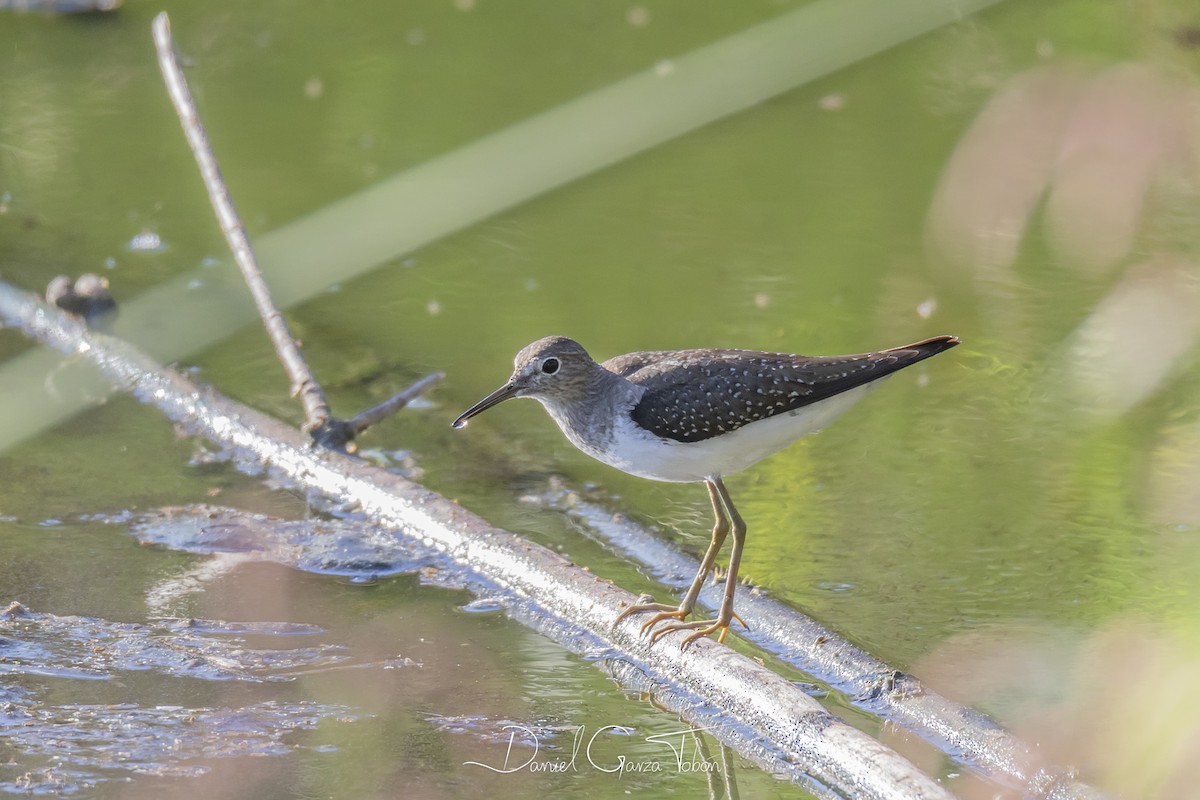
587	413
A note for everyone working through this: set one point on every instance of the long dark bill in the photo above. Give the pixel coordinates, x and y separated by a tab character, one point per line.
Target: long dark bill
499	396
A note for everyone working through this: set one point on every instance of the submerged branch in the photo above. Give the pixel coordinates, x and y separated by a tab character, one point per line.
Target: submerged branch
767	718
817	650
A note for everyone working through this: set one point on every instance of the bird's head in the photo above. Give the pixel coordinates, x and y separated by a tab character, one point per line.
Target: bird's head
549	369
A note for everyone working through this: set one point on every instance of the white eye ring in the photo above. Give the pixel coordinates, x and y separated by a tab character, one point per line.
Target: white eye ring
550	365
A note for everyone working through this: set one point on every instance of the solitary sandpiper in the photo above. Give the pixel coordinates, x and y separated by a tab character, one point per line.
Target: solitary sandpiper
687	416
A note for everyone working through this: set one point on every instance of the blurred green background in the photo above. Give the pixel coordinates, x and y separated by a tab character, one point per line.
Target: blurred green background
1015	521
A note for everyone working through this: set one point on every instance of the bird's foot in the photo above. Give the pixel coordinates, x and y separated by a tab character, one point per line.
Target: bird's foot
702	628
665	612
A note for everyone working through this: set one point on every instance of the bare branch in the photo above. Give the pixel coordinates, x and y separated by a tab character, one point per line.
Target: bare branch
360	422
319	421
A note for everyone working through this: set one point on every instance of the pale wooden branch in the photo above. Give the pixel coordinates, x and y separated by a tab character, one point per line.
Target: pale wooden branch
320	423
365	419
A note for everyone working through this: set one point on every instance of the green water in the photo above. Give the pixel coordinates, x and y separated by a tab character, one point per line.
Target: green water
979	520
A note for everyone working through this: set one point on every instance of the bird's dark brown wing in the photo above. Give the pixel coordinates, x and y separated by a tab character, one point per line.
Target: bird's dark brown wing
692	395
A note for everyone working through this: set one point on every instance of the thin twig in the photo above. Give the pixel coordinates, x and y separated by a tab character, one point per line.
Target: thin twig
319	421
360	422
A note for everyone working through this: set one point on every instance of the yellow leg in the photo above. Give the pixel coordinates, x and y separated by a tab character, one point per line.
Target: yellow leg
727	519
725	616
680	612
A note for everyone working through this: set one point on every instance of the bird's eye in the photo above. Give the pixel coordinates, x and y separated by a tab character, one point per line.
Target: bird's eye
550	366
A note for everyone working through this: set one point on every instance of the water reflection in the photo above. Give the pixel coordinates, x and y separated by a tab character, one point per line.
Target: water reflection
1095	317
1105	159
1103	151
1120	703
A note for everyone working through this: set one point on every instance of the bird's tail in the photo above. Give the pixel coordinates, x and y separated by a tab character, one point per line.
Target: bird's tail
918	351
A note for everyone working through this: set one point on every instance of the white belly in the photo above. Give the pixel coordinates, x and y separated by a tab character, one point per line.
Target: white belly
640	453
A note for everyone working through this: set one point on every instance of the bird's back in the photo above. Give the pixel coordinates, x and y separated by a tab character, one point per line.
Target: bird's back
693	395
